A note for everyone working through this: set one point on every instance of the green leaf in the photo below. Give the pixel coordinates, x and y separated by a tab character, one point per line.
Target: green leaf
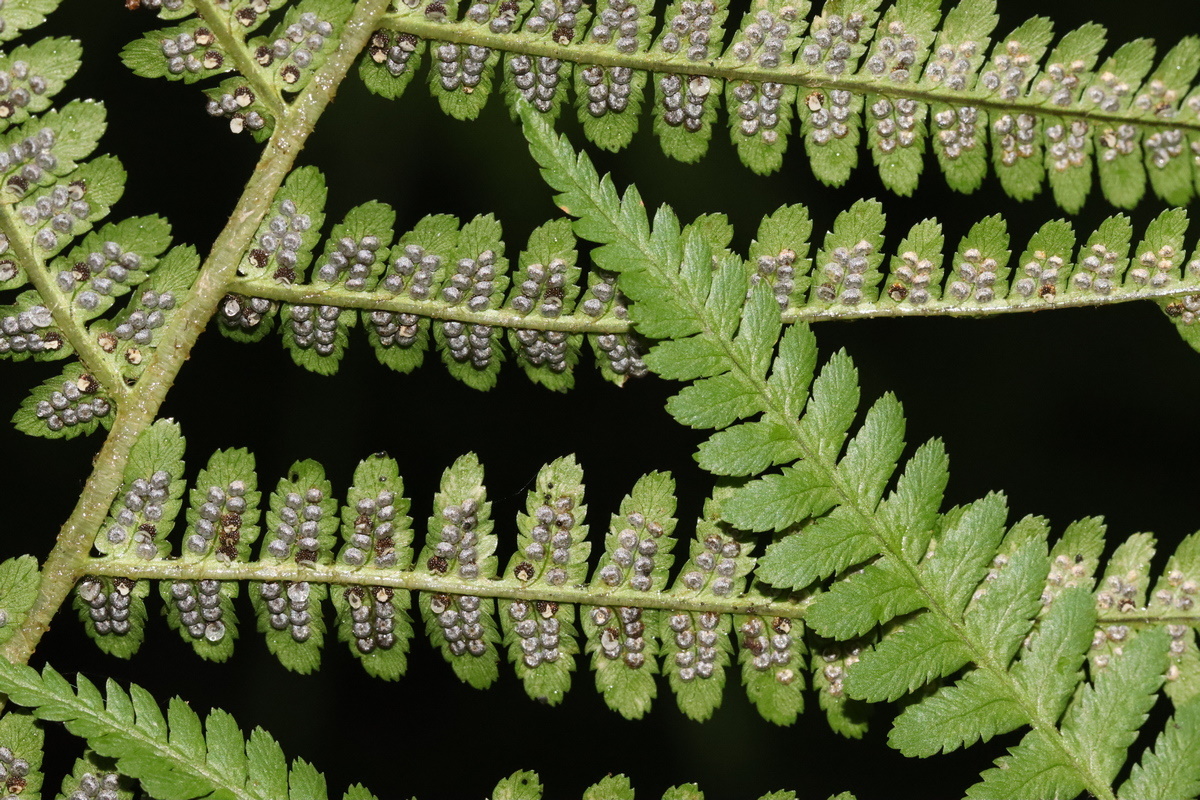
1002	610
169	756
422	259
688	791
229	475
389	76
102	601
696	646
74	130
155	462
545	286
305	783
778	256
377	532
610	118
779	501
463	627
1172	769
687	359
1127	576
851	607
153	307
715	402
759	330
625	659
1033	768
303	514
612	787
772	675
833	149
23	738
148	57
266	765
980	271
1049	670
911	655
747	449
291	73
132	244
461	94
226	746
299	206
846	716
355	255
523	785
20	15
915	269
762	139
43	341
975	708
54	60
19	580
897	134
685	136
1045	264
1020	169
99	770
964	550
552	550
909	514
469	351
1106	717
850	257
872	454
825	546
139	521
542	85
832	408
793	370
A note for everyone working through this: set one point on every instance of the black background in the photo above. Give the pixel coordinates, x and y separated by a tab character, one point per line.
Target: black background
1075	413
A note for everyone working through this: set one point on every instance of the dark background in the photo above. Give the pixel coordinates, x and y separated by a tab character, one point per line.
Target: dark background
1075	413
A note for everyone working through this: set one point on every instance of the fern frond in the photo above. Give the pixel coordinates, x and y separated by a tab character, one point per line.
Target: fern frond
957	591
902	75
1039	111
178	756
171	756
444	284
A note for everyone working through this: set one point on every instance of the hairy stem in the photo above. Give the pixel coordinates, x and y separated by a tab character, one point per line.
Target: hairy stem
500	318
65	563
508	588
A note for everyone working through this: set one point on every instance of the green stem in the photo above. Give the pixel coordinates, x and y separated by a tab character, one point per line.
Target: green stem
311	295
100	364
234	44
66	560
500	318
508	588
798	74
1148	618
